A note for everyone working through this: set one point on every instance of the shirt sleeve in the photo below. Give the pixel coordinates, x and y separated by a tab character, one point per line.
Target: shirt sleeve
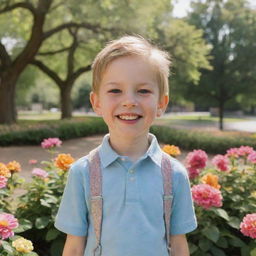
183	219
72	214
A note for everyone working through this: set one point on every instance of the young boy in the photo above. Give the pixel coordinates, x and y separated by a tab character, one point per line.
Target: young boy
130	89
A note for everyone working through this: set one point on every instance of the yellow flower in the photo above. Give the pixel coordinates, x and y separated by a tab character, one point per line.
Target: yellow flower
171	150
211	180
4	171
23	245
13	166
63	161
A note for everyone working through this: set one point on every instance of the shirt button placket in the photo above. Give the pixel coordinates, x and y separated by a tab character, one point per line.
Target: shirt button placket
132	192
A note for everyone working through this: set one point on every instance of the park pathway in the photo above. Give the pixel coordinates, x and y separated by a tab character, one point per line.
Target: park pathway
22	154
76	147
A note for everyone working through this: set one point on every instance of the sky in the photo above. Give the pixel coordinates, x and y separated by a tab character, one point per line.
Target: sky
181	7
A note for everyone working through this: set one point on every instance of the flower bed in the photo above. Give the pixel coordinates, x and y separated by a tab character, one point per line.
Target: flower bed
224	197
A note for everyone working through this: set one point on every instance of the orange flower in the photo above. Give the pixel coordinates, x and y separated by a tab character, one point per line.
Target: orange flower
211	180
171	150
13	166
63	161
4	171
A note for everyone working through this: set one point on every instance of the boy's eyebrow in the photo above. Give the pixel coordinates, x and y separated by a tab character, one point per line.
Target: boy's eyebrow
139	84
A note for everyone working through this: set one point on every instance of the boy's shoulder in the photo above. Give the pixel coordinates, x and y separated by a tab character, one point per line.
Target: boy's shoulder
178	169
80	165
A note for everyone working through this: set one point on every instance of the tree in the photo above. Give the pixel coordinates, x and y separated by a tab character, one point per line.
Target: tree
230	28
11	66
189	53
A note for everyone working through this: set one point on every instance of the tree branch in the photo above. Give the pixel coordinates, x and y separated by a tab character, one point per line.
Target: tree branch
4	56
71	53
80	71
53	52
24	5
94	28
48	72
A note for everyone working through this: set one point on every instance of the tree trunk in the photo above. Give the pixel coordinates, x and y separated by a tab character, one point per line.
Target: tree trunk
65	102
221	114
8	113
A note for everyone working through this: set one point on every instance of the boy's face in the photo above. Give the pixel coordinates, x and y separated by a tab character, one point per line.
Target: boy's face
128	97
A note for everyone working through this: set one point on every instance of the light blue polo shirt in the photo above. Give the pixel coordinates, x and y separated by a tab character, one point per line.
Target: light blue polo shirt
133	223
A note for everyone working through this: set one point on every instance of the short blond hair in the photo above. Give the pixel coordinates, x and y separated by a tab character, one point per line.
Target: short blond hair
132	46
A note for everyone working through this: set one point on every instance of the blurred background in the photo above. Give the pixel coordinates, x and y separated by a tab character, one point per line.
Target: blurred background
47	47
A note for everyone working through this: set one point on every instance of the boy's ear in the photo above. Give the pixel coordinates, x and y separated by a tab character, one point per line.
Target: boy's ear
162	105
94	99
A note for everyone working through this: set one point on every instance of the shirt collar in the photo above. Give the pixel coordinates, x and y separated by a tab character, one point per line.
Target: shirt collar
108	155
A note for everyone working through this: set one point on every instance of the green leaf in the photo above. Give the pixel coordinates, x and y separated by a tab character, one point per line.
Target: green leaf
245	251
45	203
253	252
222	213
234	222
42	222
217	252
212	233
30	254
57	247
205	244
23	226
52	234
192	248
222	242
7	247
236	242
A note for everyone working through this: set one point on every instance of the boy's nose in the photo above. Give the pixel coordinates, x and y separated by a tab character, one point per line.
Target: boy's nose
129	102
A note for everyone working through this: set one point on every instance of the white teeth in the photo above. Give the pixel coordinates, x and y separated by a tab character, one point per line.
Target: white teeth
128	117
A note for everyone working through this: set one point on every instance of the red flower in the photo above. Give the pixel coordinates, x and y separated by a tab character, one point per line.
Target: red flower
221	162
197	159
248	225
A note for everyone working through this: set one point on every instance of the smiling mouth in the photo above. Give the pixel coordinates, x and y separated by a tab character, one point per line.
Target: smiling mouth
129	117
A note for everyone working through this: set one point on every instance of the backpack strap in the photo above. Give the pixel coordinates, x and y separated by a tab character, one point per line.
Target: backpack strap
95	177
167	200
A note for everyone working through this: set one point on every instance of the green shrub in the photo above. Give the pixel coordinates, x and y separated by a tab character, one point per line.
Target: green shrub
67	129
218	231
189	140
33	133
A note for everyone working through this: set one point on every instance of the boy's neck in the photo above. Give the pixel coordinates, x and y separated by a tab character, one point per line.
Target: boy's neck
132	148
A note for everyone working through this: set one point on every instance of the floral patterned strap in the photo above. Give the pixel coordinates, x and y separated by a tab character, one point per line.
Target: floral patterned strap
96	196
167	183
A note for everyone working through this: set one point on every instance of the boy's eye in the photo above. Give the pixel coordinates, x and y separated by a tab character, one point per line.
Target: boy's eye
144	91
114	91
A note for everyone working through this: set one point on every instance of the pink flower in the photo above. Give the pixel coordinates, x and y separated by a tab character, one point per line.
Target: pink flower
3	181
39	173
7	223
245	150
32	161
193	173
206	196
233	152
252	157
248	225
221	162
197	159
50	143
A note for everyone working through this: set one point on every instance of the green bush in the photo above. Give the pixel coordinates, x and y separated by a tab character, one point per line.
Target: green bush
189	140
67	129
33	134
218	232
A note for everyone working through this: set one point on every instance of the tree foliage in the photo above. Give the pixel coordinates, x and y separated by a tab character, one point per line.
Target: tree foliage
230	28
62	38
